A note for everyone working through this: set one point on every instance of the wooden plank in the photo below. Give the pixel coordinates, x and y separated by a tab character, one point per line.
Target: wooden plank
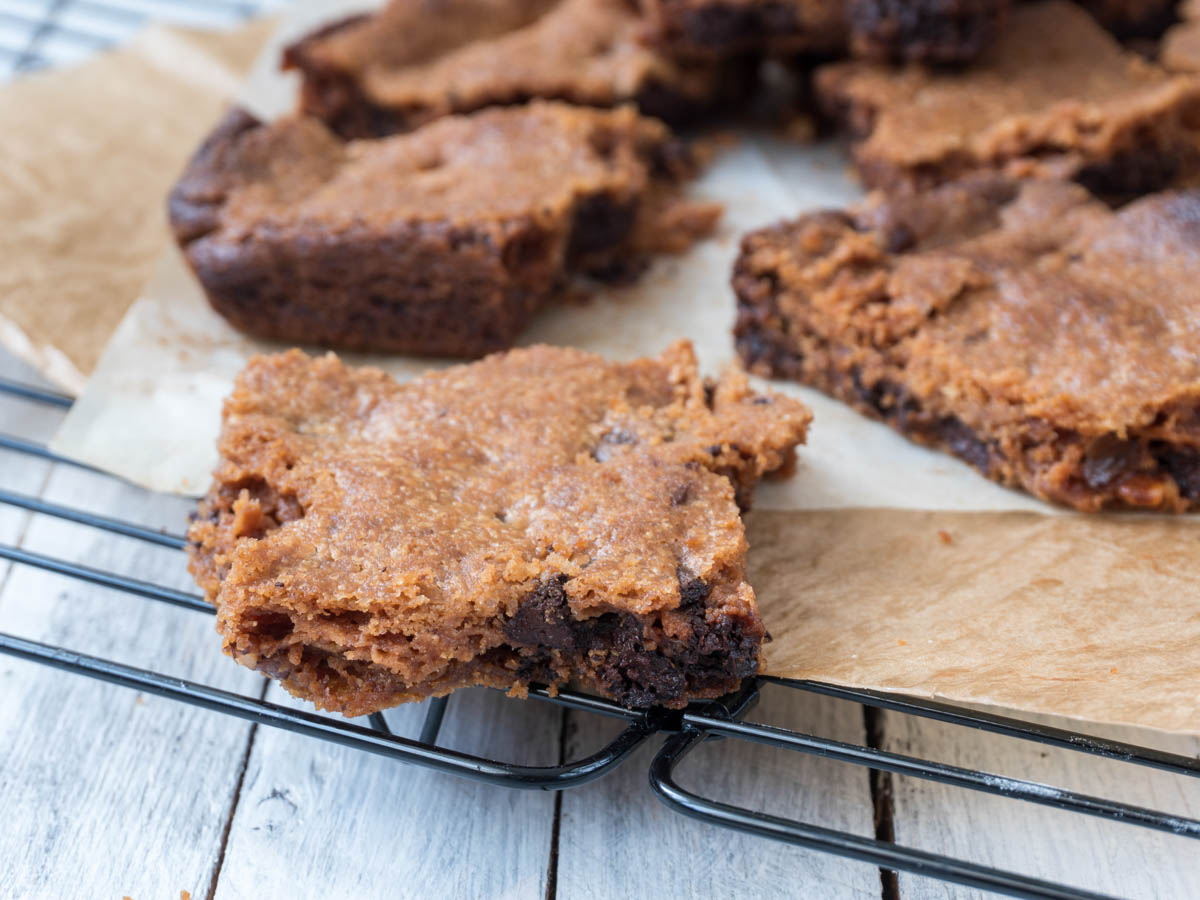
617	840
1078	850
103	787
317	820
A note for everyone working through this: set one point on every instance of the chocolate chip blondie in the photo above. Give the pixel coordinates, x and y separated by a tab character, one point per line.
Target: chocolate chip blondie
1021	325
1056	96
338	60
443	241
540	516
586	52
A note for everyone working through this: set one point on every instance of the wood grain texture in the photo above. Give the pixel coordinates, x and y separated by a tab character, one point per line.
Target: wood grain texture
617	840
1113	858
316	820
103	787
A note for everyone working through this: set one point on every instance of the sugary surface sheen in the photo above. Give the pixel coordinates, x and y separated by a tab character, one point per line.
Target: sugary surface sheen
443	241
537	516
1055	96
1024	326
581	51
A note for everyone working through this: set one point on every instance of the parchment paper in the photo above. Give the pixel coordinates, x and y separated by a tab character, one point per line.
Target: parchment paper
879	565
88	153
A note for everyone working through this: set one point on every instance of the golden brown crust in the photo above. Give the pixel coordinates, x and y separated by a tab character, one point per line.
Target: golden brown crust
1056	96
1023	326
537	516
441	241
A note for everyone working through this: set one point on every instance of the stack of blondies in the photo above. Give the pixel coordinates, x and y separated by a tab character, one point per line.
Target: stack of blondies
1021	288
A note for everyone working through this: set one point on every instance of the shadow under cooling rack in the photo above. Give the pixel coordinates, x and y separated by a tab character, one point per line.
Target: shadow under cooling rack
680	732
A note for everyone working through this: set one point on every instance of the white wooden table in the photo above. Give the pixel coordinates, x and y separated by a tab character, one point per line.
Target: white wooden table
108	793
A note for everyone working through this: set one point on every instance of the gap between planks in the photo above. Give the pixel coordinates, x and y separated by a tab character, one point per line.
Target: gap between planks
552	863
882	797
233	803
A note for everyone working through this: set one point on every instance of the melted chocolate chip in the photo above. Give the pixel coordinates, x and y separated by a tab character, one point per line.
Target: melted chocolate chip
713	655
892	404
965	444
544	619
1106	458
692	591
601	222
1184	467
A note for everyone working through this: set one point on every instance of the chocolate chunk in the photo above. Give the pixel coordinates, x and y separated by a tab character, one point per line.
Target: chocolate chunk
402	484
681	494
543	618
692	591
1108	457
965	444
1184	467
601	222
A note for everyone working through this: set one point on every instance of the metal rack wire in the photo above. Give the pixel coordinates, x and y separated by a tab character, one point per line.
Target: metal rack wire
682	731
35	34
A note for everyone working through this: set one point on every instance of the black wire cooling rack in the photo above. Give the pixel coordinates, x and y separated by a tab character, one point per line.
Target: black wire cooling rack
681	731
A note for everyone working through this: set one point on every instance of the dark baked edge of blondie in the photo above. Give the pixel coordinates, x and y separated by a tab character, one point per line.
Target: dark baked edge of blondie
619	655
416	287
